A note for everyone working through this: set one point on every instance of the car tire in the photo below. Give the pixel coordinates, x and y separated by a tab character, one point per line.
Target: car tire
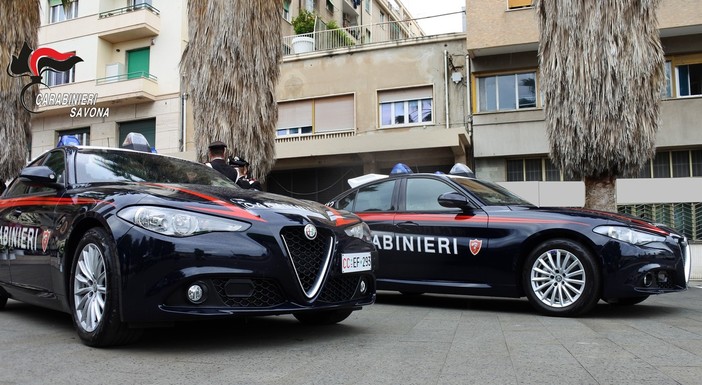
94	294
561	278
628	301
3	299
325	317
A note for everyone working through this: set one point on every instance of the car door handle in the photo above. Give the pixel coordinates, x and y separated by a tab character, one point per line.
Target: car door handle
407	224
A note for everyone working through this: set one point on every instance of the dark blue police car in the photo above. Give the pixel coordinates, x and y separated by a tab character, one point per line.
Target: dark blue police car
461	235
123	239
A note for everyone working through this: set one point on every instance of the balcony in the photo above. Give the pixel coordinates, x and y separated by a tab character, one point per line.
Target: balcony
111	91
129	23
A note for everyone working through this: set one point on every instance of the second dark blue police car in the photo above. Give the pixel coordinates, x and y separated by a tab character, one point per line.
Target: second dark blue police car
457	234
123	240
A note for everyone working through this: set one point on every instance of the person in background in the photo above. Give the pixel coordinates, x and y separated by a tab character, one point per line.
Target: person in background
244	181
217	160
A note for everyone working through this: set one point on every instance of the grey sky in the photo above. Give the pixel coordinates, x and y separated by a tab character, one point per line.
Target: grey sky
445	24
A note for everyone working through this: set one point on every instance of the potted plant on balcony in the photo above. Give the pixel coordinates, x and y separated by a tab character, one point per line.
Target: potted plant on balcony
303	24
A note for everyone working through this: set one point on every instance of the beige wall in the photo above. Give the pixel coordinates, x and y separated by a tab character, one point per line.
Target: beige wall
363	72
493	28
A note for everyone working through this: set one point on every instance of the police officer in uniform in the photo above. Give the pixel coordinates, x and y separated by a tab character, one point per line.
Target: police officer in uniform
244	181
218	162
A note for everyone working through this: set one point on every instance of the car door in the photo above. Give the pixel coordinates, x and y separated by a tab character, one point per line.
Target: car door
438	245
376	204
27	219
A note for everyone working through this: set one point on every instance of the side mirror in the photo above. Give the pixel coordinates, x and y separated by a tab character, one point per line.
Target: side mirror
454	200
41	176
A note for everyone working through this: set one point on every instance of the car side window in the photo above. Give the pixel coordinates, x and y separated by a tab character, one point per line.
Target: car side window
423	193
346	203
375	197
19	188
55	161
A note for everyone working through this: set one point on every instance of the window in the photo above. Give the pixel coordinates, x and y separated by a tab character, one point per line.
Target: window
138	63
309	5
507	92
52	78
82	134
404	107
55	161
376	197
316	116
519	3
286	10
675	164
690	79
368	6
57	13
535	169
667	91
423	194
330	6
146	127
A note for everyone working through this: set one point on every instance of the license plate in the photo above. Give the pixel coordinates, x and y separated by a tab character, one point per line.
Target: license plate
353	262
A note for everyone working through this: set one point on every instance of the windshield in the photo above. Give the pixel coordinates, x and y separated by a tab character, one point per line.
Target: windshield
95	166
490	193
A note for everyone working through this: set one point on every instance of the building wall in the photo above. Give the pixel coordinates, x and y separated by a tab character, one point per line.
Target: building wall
101	41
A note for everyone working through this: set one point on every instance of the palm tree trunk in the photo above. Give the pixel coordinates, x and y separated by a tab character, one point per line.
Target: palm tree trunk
601	193
20	24
230	69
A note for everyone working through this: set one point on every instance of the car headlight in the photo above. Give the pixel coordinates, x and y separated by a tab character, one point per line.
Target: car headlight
178	223
628	235
359	230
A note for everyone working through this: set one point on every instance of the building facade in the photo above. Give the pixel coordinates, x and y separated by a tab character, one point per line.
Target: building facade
510	142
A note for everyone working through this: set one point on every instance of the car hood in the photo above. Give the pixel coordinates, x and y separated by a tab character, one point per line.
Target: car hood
247	205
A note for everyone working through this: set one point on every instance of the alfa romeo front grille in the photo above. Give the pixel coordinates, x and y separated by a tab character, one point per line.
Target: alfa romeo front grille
310	258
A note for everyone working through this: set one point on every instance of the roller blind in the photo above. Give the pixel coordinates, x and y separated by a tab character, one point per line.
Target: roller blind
295	114
334	114
415	93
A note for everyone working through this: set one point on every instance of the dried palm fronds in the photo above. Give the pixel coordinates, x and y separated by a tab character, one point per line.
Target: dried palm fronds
230	69
602	71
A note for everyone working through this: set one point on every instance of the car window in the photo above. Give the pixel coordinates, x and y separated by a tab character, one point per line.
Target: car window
490	193
375	197
422	194
346	203
98	166
55	161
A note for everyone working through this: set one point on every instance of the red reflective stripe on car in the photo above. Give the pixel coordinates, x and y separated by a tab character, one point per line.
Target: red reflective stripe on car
43	201
376	217
231	209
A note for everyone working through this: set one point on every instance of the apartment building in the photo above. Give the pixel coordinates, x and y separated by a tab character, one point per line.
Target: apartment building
130	51
510	142
386	94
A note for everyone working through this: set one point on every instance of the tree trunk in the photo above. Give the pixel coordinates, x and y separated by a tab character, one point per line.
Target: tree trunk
601	193
20	24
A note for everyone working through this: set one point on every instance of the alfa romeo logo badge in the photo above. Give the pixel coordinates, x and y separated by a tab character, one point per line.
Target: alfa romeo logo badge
310	231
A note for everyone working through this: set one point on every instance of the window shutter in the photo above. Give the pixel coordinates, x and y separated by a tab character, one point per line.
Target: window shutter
334	114
405	94
295	114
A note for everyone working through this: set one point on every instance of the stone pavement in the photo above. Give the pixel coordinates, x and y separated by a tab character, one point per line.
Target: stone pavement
428	339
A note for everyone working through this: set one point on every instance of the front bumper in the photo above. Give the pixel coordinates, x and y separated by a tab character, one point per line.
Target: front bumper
631	271
241	274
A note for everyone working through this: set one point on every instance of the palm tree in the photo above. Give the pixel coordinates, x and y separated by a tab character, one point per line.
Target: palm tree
230	68
20	24
601	66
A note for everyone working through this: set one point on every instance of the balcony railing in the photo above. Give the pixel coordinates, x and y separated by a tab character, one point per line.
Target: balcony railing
356	35
315	136
127	76
131	8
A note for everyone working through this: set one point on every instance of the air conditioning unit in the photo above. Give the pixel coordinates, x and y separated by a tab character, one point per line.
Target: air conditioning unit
113	72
